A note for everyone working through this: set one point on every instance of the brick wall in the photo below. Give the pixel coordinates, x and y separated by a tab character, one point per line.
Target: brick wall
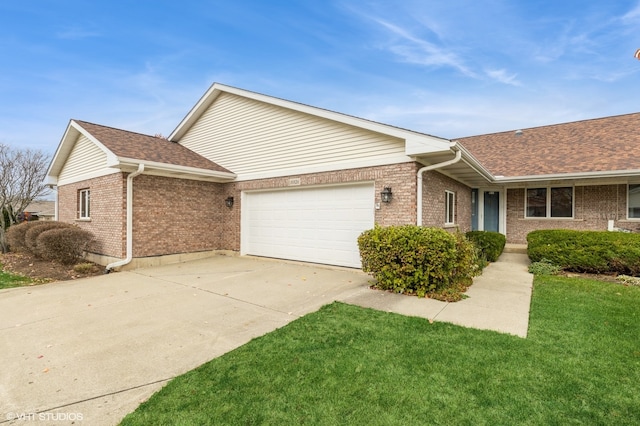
400	177
176	216
594	206
107	222
434	185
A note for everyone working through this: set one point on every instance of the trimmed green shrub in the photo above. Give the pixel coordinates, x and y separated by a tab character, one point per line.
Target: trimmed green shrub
416	260
65	245
491	244
16	235
598	252
31	236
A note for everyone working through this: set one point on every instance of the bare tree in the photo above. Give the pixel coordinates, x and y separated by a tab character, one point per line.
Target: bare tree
22	173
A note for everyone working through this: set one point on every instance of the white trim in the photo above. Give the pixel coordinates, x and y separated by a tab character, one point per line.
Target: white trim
321	168
548	203
567	176
449	213
214	91
628	206
502	209
84	204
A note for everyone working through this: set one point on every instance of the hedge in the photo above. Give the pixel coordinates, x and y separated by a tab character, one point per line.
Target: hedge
490	243
31	236
16	235
416	260
599	252
65	245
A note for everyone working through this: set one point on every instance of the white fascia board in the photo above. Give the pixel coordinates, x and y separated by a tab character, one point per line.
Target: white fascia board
471	161
88	176
417	145
126	163
568	176
362	123
321	168
66	145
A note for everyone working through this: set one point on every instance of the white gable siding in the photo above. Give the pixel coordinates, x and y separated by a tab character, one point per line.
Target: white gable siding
85	161
256	140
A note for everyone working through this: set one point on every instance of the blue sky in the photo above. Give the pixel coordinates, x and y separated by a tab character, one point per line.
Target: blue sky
448	68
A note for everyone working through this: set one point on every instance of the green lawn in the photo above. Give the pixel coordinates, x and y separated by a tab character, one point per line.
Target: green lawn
8	280
348	365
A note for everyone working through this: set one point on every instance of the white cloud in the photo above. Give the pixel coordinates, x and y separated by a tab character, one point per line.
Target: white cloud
502	76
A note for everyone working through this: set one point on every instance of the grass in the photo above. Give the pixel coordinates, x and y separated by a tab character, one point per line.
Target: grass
349	365
8	280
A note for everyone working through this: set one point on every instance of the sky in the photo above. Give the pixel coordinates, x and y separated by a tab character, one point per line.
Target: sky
450	68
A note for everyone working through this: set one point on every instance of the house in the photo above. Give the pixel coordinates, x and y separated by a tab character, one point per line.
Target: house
264	176
40	209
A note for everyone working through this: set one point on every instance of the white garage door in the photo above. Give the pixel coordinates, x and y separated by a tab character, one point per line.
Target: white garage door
319	225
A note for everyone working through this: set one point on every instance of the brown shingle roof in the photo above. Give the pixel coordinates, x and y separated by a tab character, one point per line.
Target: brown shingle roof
148	148
598	145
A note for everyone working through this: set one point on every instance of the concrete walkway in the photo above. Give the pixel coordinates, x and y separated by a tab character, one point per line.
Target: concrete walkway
498	300
90	351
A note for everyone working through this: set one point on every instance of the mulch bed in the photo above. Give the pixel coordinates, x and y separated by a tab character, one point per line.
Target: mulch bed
44	270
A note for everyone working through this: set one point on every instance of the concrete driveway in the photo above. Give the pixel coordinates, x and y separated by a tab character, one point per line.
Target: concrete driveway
89	351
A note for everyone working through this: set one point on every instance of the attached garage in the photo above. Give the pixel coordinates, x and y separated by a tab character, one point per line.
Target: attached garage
313	224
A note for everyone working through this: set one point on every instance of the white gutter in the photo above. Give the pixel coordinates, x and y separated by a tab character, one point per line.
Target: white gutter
125	261
426	169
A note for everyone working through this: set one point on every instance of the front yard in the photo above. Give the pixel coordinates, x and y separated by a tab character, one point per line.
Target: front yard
349	365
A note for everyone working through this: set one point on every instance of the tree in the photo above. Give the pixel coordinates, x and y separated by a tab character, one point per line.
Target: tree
22	173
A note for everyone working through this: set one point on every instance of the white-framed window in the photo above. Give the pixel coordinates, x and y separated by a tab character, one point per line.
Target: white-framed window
552	202
84	204
450	207
633	201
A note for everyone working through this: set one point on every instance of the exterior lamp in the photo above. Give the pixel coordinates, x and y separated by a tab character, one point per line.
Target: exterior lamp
229	202
386	194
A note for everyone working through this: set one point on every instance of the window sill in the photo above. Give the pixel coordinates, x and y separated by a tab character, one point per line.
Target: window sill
450	225
87	219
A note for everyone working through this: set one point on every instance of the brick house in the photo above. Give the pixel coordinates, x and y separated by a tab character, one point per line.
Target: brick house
259	175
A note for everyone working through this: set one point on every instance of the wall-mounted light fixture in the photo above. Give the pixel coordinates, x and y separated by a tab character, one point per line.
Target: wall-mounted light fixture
229	202
386	194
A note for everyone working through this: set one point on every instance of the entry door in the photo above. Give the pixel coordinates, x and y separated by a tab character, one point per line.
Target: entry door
492	211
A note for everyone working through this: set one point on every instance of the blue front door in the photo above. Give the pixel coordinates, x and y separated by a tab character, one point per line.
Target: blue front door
492	211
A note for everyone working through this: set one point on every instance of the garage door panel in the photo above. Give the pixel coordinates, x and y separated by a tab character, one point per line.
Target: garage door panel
309	224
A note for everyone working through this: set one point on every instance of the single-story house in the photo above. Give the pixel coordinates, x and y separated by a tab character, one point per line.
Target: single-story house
264	176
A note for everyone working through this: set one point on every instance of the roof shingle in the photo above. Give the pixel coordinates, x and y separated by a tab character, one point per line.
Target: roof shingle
148	148
598	145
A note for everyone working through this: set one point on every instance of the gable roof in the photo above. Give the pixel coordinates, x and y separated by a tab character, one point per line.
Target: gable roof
607	146
125	150
416	143
125	144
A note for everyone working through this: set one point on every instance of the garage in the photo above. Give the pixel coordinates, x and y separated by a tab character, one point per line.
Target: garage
314	224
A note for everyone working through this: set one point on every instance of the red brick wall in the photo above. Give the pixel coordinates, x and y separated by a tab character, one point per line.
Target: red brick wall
107	222
594	206
434	185
400	177
176	216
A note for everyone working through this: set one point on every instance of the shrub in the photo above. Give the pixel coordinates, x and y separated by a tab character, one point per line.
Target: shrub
31	236
491	244
544	267
16	235
416	260
65	245
599	252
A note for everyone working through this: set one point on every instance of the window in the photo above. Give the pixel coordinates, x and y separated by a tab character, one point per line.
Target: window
84	204
549	202
633	201
450	208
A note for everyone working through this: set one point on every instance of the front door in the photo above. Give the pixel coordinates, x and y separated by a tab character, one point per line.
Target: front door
491	211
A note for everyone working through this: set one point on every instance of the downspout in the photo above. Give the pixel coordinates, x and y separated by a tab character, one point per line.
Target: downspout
426	169
126	260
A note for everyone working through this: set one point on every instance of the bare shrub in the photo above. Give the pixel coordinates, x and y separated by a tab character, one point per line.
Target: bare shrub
31	236
65	245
